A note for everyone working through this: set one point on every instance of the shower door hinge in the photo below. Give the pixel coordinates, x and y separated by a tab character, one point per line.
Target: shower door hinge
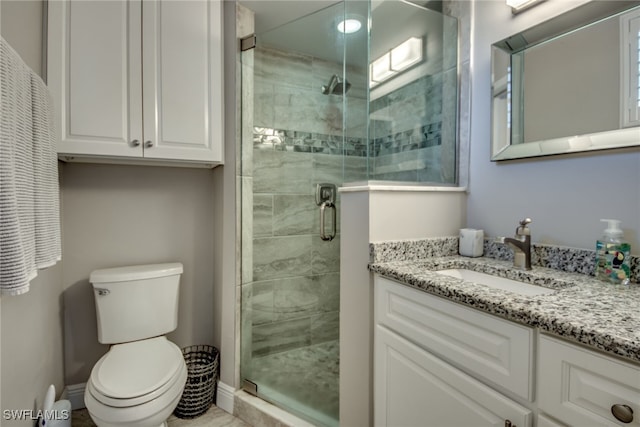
248	42
250	387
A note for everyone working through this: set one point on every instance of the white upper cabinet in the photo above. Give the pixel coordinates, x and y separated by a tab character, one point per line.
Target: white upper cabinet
137	80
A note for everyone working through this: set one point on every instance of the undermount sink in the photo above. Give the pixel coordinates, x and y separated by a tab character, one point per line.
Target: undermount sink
496	282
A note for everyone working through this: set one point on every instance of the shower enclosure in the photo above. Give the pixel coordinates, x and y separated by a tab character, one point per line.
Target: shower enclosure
317	113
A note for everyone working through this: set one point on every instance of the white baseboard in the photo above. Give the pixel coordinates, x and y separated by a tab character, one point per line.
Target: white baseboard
75	394
224	397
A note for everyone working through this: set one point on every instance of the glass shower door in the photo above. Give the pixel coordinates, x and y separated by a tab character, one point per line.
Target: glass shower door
295	137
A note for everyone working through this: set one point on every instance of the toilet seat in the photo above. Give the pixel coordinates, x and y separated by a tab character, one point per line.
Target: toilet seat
134	373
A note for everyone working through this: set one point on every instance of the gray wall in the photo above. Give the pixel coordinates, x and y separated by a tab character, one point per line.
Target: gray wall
126	215
22	28
31	355
564	195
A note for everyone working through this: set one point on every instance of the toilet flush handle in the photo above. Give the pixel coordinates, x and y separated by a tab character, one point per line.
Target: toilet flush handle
102	291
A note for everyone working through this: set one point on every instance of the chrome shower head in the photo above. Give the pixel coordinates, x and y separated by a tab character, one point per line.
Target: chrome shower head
336	86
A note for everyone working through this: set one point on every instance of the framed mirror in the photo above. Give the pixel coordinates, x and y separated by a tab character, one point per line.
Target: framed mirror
570	84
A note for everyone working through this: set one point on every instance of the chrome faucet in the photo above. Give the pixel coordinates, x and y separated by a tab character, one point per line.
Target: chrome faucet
521	245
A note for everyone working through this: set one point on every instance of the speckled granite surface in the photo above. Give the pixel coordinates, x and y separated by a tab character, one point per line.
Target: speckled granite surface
583	309
412	250
571	260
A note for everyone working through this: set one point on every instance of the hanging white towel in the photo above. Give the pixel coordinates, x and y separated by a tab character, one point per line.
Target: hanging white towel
29	193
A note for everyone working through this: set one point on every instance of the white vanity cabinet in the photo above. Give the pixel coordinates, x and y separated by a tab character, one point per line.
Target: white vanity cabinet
137	81
422	343
580	387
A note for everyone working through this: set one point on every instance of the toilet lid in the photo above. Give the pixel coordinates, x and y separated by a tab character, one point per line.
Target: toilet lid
138	368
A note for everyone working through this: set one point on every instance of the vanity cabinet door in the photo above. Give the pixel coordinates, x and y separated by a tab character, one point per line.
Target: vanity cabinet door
415	388
484	346
579	387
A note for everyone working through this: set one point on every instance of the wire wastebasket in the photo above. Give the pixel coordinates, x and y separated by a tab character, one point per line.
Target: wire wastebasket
202	375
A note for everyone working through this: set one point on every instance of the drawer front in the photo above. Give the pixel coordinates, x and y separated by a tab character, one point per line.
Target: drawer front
579	387
481	344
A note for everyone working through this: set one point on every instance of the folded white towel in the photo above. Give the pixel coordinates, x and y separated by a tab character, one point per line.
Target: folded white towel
29	207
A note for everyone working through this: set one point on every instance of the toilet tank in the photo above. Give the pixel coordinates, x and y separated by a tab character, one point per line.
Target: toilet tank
136	302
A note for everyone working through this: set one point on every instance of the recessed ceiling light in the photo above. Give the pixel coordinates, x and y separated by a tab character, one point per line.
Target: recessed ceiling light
349	26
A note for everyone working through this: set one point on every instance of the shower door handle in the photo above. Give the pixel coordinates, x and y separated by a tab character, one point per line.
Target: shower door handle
323	207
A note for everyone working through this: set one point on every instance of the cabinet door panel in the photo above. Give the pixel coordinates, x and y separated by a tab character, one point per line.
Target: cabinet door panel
181	74
95	76
413	387
483	345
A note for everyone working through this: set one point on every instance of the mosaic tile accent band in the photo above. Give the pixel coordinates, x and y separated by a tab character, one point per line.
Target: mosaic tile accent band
311	142
308	142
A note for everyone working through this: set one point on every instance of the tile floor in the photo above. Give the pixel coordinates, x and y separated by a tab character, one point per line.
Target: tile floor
214	417
311	382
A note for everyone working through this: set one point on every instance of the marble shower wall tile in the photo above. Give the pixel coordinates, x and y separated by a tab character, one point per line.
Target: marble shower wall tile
325	327
355	169
414	160
273	64
261	302
294	214
325	255
282	172
327	288
294	298
262	215
305	306
279	257
281	336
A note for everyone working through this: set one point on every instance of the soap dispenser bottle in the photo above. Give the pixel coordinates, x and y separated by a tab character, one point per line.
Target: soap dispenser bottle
612	255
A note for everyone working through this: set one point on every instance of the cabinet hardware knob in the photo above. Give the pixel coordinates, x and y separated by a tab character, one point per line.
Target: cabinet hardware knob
507	423
135	143
623	413
148	144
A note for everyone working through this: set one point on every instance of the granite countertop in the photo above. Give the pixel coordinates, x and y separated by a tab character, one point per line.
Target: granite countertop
582	309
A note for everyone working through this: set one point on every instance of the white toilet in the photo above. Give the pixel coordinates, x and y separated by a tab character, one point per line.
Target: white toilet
140	380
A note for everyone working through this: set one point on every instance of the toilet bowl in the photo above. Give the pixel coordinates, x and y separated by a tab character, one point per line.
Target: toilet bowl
136	384
139	381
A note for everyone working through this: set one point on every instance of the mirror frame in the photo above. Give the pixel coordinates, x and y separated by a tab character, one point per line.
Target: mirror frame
564	23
